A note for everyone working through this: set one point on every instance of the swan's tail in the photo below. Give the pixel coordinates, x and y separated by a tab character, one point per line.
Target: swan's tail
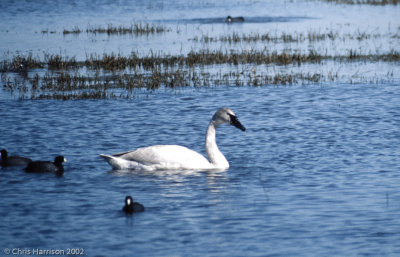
114	162
118	163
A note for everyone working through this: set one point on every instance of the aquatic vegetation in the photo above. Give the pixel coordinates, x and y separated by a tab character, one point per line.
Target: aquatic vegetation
46	31
20	64
266	37
75	30
204	57
295	37
75	84
114	75
60	62
366	2
135	29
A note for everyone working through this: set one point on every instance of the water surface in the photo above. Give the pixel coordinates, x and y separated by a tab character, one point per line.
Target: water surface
315	172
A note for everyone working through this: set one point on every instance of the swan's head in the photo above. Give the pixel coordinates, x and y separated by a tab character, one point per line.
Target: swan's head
128	200
227	116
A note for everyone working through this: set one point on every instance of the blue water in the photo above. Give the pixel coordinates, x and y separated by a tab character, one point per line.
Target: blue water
316	173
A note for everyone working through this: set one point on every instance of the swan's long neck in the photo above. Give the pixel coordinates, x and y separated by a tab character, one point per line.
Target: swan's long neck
214	154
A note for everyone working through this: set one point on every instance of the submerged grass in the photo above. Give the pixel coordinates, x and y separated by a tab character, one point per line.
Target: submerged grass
59	62
20	64
205	57
365	2
135	29
67	85
74	86
114	76
75	30
296	37
266	37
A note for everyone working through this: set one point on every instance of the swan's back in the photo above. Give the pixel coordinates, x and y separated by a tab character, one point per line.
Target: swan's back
170	156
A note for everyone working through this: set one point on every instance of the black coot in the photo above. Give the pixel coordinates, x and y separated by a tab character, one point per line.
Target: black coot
47	166
13	160
131	207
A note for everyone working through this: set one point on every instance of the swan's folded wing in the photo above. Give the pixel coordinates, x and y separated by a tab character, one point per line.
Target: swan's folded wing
121	164
165	154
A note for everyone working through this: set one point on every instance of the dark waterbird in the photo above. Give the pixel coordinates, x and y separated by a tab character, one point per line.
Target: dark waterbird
230	19
47	166
13	160
131	206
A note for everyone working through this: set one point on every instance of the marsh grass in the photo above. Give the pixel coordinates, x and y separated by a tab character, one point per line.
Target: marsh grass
20	64
296	37
46	31
59	62
133	29
117	76
266	37
205	57
67	85
202	58
75	30
365	2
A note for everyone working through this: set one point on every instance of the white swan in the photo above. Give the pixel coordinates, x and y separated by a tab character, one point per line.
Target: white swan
175	157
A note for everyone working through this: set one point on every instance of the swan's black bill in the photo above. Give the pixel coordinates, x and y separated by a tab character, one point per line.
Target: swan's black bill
235	122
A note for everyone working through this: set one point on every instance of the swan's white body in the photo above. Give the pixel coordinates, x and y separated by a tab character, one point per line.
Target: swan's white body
175	157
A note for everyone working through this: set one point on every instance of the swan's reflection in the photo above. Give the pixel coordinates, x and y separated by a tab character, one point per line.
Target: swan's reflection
216	179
